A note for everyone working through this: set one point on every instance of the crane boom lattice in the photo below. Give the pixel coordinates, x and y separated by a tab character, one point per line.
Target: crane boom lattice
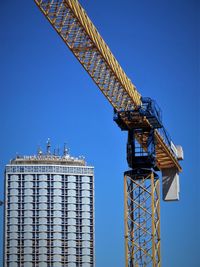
73	25
78	32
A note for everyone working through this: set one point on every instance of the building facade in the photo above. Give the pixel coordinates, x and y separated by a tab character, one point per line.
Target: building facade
49	212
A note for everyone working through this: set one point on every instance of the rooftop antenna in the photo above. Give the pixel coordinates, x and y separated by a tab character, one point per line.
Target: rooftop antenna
48	146
66	150
39	151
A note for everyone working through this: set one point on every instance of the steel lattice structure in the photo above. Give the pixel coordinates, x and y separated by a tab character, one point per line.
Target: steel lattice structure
73	25
142	195
142	218
77	31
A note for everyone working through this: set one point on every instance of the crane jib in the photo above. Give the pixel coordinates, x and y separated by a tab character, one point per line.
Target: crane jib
73	25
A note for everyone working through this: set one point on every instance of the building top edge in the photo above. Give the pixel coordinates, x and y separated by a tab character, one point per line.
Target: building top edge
46	165
48	160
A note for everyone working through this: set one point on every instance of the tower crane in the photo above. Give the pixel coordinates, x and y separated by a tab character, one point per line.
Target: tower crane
149	147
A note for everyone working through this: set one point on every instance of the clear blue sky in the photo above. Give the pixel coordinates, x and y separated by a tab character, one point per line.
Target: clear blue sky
44	92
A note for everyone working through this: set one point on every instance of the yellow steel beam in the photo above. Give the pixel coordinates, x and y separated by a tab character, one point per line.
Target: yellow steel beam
73	25
104	50
142	219
78	32
169	160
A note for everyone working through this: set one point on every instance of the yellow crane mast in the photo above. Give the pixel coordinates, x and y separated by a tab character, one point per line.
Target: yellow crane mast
149	147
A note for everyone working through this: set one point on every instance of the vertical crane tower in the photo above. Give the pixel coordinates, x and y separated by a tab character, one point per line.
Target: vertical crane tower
149	147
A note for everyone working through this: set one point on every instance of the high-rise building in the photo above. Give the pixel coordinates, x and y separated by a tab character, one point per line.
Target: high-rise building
49	212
